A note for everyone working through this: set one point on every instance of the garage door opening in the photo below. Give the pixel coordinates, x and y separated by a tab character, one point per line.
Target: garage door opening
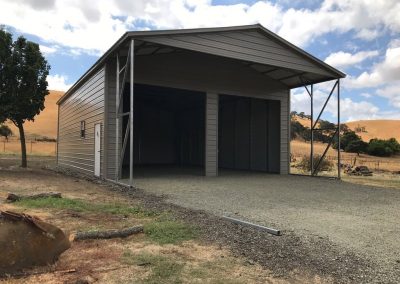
249	134
168	131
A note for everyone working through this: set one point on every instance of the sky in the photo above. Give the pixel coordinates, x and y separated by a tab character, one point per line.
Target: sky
359	37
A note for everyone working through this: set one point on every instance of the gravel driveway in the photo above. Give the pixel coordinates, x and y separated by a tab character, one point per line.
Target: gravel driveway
365	220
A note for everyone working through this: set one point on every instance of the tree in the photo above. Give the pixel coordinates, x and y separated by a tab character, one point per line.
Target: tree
344	128
356	146
23	85
383	148
347	138
324	124
296	129
5	131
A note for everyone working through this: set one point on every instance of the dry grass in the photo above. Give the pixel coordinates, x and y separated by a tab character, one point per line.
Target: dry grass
13	146
383	129
300	148
45	124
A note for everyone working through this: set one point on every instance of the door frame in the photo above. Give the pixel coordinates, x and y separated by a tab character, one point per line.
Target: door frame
97	151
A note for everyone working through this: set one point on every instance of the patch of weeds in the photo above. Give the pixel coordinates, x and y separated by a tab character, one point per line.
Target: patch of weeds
198	273
82	206
163	269
214	272
164	231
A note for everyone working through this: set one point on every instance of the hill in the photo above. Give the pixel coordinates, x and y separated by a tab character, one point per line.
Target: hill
367	129
45	124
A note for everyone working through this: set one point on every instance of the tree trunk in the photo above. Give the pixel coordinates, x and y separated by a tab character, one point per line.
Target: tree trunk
20	126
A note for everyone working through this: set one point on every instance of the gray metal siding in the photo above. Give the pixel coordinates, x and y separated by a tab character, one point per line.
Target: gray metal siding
86	103
110	124
211	159
251	46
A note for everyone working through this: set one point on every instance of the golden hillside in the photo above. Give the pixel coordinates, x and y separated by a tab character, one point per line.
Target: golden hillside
45	123
368	129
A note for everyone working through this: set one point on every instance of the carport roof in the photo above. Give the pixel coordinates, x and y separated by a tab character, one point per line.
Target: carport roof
253	45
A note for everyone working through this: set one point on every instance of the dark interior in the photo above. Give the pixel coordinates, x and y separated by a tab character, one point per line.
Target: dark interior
248	137
169	126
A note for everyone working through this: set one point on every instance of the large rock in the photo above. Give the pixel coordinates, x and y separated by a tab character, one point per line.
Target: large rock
27	241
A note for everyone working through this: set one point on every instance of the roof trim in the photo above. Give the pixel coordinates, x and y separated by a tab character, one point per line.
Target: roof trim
132	34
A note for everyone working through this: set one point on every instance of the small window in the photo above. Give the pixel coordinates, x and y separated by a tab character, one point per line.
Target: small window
83	129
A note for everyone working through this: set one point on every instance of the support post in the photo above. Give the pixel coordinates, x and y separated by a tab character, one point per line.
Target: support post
132	83
117	122
312	130
211	137
338	125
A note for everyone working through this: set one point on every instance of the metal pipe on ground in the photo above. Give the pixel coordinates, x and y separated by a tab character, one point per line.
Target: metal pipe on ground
259	227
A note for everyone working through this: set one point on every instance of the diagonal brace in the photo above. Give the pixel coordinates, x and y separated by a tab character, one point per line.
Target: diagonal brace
325	104
324	154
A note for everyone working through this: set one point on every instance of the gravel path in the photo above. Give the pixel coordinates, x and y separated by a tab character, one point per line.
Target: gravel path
360	219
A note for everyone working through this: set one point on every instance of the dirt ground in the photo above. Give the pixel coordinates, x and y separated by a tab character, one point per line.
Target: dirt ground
137	259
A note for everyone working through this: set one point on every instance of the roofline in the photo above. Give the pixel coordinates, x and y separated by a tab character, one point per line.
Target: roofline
303	52
132	34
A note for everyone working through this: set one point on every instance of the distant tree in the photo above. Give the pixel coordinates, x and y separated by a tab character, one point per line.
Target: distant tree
301	114
324	124
293	114
296	129
344	128
383	148
347	138
23	84
356	146
5	131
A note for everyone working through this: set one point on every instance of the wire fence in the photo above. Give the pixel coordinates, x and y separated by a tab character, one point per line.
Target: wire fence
33	147
373	163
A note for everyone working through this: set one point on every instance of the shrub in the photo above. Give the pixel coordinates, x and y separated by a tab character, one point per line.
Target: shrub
383	148
356	146
305	163
45	139
5	131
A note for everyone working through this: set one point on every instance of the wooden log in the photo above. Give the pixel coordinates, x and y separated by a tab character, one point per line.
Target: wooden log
108	234
12	197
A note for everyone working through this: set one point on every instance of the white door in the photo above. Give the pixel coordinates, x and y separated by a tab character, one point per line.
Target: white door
97	139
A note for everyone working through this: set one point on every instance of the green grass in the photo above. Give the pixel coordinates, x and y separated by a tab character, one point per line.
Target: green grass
84	206
169	231
163	269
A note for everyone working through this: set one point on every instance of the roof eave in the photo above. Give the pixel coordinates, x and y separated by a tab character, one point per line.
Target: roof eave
336	73
96	65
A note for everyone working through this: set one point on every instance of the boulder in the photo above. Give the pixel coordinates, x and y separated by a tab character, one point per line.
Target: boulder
27	241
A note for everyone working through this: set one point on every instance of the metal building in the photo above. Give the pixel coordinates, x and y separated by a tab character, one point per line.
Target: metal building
201	98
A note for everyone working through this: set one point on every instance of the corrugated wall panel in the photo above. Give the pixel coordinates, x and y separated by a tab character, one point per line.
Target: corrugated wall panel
110	119
258	135
87	103
211	161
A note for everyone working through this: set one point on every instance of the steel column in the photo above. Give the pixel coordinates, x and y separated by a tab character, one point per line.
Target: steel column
117	122
338	123
131	91
312	130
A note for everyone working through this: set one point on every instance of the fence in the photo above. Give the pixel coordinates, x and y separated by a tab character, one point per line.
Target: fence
33	147
373	163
